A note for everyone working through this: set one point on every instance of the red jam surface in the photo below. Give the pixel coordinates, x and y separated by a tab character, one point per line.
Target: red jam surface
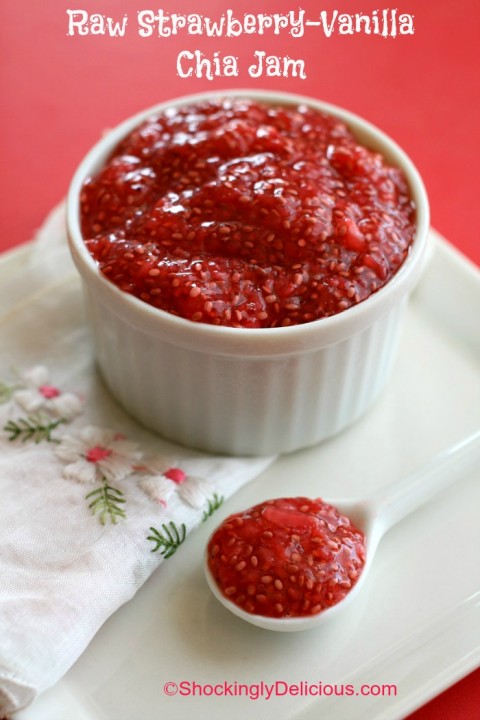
241	214
286	558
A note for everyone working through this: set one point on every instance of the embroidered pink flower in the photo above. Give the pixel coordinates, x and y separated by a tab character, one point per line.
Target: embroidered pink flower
167	478
95	453
38	393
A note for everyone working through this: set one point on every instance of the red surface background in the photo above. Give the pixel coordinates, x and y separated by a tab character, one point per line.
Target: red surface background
60	92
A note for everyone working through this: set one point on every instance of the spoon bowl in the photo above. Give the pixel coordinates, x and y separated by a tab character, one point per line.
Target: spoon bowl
374	516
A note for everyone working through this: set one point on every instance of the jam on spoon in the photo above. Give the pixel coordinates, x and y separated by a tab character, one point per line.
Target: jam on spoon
253	558
287	558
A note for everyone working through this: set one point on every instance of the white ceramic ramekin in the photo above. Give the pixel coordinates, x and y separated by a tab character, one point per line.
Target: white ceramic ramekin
246	391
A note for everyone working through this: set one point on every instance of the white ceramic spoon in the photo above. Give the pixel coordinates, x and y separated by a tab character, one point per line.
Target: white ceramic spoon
375	515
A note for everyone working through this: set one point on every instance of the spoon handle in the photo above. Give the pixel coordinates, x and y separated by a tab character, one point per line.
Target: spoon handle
397	500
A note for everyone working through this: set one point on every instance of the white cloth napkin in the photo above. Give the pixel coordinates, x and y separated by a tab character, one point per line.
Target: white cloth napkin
68	561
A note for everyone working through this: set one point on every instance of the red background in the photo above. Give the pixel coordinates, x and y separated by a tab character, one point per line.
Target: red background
60	92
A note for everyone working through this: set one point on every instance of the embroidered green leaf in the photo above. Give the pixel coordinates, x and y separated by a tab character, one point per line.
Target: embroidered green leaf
106	501
36	428
213	505
6	392
169	540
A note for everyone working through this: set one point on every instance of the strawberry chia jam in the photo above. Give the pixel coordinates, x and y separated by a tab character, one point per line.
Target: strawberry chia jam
236	213
286	558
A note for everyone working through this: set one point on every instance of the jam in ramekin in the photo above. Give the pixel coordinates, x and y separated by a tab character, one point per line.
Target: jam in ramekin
237	213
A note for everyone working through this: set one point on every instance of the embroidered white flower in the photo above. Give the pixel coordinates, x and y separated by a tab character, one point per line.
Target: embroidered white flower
95	453
168	477
38	393
158	488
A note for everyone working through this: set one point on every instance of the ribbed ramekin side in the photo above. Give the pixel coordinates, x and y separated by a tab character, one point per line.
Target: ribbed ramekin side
245	405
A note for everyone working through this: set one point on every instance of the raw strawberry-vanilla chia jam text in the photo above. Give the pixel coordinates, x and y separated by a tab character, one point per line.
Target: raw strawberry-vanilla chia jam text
236	213
290	557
